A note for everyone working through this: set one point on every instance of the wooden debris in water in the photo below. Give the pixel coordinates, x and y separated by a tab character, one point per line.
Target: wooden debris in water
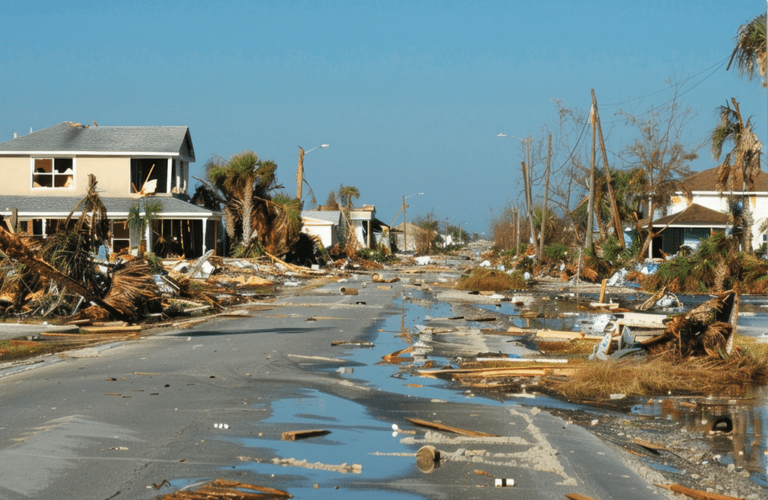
447	428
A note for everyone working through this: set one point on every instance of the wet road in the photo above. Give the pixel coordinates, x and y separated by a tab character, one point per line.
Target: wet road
185	407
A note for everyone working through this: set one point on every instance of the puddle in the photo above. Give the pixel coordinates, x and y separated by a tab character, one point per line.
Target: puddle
355	438
738	427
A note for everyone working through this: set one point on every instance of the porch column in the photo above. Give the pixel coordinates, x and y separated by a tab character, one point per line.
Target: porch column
168	172
45	228
205	230
148	236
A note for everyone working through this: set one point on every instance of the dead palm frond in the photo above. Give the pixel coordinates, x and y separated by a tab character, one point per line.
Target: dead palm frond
750	49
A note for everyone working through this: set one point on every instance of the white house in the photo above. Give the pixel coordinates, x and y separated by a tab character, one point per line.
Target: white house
323	224
689	220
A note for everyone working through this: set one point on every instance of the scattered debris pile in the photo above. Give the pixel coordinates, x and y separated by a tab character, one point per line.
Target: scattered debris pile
708	330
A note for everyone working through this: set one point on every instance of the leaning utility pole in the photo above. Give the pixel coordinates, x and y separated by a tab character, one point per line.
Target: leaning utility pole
300	174
591	202
615	217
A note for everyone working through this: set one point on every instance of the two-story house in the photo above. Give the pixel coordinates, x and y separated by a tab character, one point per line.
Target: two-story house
689	220
46	174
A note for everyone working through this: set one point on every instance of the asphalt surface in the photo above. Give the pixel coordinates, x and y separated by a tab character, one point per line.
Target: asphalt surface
145	418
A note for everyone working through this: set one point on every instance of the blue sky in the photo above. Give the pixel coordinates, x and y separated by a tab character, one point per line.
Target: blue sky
410	95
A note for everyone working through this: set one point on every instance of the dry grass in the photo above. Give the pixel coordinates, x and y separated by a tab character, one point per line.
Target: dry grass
483	279
12	350
654	375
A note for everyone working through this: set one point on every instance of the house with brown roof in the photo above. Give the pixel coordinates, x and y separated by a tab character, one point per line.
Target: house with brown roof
706	211
45	175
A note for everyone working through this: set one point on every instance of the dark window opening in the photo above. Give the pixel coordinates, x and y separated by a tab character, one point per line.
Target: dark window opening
144	170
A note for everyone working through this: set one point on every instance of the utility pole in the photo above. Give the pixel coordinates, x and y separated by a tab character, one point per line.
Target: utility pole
517	230
591	203
615	217
405	228
546	196
300	174
527	182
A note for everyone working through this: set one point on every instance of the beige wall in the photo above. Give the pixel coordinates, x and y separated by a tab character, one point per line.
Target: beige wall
112	175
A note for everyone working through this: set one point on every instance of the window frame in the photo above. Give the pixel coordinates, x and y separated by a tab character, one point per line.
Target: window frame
53	174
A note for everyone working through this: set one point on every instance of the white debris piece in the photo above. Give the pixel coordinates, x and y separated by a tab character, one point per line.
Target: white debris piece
423	260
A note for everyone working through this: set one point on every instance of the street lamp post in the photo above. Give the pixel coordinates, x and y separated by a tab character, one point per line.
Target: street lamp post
300	169
527	181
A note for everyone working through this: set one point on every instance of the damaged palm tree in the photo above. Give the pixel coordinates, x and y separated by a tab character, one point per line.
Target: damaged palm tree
254	218
708	330
70	248
65	259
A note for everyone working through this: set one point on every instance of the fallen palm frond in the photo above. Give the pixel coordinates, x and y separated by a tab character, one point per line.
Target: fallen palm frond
133	293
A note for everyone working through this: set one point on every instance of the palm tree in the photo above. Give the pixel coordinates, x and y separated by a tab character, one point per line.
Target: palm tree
347	193
742	162
749	51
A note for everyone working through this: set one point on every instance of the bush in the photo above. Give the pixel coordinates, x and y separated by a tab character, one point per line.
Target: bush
556	251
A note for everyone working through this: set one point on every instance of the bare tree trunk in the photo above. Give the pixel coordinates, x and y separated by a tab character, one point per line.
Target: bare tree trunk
546	196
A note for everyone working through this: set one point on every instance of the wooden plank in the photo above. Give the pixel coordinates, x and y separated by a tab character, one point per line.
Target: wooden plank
447	428
576	496
296	435
111	329
697	494
499	372
396	357
559	334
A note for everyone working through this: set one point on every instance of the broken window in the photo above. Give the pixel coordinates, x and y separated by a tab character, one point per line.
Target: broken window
51	173
149	175
121	236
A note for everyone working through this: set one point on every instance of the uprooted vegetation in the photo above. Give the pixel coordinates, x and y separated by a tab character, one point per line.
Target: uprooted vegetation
697	353
714	267
483	279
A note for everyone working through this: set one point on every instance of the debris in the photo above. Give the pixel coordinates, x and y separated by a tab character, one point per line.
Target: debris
378	278
296	435
456	430
359	343
427	458
576	496
396	357
709	330
698	494
501	482
348	291
223	489
663	298
111	329
344	468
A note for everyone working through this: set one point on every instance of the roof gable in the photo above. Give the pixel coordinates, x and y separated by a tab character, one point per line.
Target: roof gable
707	181
693	216
68	138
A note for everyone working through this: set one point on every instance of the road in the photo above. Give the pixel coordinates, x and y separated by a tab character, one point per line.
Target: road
183	407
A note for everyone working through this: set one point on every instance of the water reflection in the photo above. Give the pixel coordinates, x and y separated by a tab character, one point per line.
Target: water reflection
738	428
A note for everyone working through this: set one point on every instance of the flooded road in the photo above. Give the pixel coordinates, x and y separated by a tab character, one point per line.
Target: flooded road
175	410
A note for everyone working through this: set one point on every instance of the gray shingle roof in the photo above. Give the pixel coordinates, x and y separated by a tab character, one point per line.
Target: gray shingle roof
61	206
132	140
326	215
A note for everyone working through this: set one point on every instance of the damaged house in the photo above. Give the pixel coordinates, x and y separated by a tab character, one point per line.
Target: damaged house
46	174
689	220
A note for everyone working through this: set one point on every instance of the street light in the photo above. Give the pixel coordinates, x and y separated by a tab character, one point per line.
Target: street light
405	224
300	169
527	180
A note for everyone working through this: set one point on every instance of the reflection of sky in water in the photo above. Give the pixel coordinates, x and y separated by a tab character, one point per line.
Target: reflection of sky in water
355	438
